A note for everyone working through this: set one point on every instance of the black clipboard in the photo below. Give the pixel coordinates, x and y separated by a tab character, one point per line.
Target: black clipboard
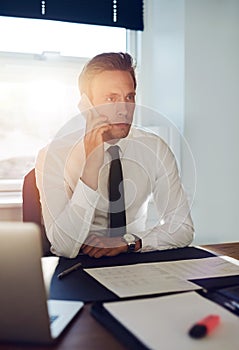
119	330
116	328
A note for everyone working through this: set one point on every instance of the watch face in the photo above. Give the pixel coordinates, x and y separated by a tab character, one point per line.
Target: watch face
129	238
131	247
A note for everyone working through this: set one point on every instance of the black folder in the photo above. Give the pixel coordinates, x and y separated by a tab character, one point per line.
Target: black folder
116	328
120	331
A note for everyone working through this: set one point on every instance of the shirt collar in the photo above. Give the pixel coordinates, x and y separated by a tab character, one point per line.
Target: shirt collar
122	143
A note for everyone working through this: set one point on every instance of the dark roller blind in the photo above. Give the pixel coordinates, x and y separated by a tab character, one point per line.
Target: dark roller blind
116	13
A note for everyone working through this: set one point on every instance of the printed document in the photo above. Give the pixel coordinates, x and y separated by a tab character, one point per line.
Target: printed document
140	279
161	277
200	268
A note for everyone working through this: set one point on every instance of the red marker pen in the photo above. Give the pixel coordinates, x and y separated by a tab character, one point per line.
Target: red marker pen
204	326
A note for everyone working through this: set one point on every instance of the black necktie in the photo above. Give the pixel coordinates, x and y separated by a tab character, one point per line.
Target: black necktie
117	214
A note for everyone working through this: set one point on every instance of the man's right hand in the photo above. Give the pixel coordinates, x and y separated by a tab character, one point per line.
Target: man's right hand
96	126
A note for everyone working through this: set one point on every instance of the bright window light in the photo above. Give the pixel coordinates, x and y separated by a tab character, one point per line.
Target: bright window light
68	39
40	62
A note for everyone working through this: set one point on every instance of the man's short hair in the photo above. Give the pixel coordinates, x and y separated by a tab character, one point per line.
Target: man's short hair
106	62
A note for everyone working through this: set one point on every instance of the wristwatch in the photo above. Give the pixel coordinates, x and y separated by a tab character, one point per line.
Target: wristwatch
130	240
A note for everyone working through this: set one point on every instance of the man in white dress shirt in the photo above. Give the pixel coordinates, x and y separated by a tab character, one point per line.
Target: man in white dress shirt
73	170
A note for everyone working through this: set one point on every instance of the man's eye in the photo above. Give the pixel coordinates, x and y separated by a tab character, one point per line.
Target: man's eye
110	99
130	98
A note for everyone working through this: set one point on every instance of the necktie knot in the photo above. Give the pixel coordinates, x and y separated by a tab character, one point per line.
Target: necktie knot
114	152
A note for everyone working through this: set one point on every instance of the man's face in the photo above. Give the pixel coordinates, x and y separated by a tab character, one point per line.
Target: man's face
113	95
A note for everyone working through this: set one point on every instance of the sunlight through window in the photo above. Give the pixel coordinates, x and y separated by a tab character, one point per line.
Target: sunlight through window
68	39
40	62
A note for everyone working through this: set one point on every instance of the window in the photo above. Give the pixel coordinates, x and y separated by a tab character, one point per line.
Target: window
40	61
67	39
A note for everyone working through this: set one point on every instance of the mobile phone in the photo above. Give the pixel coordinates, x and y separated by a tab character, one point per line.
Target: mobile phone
85	106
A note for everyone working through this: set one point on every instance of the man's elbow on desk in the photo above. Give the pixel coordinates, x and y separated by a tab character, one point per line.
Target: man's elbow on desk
184	238
163	240
65	249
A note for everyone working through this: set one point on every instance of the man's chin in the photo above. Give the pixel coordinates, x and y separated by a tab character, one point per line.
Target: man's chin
118	131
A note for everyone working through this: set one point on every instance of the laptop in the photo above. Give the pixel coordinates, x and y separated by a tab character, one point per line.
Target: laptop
26	314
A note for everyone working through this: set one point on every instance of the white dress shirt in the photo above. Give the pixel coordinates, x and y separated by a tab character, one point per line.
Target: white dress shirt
72	210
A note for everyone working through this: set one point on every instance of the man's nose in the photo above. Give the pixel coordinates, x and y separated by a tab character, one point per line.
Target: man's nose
122	109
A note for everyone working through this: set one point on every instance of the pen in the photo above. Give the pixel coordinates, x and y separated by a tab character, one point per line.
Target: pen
69	270
204	326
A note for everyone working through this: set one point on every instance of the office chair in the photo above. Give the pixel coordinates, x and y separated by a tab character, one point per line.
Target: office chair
31	207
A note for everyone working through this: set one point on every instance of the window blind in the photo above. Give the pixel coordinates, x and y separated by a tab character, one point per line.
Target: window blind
116	13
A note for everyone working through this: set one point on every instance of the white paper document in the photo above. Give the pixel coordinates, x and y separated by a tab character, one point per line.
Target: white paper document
164	322
200	268
140	279
161	277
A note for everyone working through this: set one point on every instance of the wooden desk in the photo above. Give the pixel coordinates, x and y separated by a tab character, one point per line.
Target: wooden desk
229	249
86	333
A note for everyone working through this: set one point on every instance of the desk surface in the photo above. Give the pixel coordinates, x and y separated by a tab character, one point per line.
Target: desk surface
86	333
229	249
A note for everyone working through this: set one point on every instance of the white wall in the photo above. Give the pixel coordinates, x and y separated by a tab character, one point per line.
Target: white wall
190	72
162	58
212	114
